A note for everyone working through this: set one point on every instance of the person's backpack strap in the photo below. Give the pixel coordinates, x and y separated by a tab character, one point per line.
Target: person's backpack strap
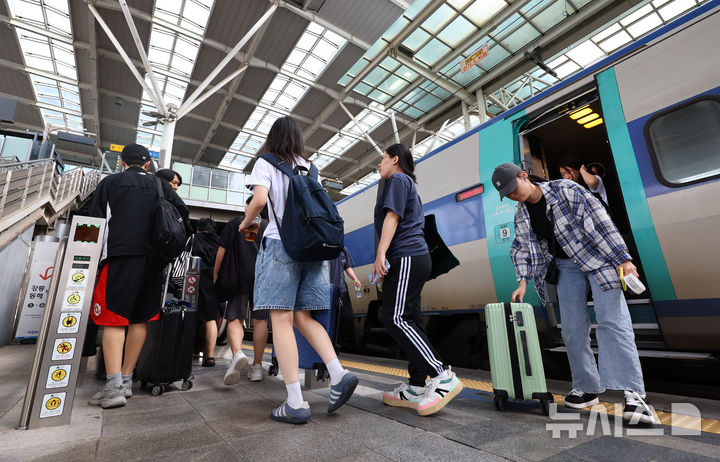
279	164
161	194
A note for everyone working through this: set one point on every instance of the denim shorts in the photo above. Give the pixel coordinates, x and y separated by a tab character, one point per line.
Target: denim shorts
282	283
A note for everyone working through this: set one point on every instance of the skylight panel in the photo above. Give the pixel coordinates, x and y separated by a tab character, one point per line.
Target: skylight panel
645	25
46	55
313	52
172	53
675	8
481	11
585	53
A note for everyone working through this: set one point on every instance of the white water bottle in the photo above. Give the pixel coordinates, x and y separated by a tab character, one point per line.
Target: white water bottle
358	289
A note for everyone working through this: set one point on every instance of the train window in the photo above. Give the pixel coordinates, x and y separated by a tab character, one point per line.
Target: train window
684	142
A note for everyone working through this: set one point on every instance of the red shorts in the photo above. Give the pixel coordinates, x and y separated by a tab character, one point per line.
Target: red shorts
128	291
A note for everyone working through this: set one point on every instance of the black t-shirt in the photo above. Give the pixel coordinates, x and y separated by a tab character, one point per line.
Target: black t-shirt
338	267
245	251
401	197
543	228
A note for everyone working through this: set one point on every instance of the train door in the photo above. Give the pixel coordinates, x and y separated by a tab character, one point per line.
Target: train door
573	128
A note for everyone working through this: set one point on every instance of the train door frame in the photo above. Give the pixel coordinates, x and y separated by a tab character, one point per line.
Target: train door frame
537	163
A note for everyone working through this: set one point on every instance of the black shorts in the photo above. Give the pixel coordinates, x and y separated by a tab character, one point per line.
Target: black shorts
237	308
129	291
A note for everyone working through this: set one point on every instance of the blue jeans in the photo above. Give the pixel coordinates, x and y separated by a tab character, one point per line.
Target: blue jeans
282	283
619	364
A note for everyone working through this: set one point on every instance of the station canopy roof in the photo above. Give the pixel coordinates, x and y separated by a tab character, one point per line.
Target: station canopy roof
425	61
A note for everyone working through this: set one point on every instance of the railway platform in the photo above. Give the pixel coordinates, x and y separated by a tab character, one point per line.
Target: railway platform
214	422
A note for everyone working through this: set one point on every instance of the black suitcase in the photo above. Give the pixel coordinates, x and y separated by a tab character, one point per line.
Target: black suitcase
166	356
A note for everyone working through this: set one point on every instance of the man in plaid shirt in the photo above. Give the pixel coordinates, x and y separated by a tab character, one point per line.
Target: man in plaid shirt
561	222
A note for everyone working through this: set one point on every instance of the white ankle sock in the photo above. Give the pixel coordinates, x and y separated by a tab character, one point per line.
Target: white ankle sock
126	378
336	371
114	380
444	375
294	398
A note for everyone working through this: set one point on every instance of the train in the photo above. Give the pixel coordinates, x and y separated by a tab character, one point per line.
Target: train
658	101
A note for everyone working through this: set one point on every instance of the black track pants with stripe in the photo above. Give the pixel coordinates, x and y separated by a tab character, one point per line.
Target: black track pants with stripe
402	315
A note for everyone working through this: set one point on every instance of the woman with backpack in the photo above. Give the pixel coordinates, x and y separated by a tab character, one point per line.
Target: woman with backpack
399	222
290	288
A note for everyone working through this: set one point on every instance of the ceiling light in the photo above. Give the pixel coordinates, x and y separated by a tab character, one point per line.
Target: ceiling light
580	113
587	119
594	123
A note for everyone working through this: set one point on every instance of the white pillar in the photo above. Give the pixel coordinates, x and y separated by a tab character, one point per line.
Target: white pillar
167	143
466	115
482	107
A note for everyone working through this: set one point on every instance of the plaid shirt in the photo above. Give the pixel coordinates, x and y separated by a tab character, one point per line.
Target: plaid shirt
583	229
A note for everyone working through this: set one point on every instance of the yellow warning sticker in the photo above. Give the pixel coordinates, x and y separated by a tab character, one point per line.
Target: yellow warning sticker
64	349
69	323
73	299
58	376
53	404
78	277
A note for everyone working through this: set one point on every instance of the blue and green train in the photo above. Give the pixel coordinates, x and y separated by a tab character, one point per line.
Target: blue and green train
659	141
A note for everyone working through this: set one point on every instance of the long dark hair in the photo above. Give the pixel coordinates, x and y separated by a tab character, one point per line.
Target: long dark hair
405	159
575	164
168	175
285	140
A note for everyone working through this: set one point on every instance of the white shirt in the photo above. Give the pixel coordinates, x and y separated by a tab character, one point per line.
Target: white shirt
599	189
264	174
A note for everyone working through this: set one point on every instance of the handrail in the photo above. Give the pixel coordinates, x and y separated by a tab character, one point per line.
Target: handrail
33	190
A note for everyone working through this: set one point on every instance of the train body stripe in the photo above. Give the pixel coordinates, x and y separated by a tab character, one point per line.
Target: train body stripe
631	183
496	146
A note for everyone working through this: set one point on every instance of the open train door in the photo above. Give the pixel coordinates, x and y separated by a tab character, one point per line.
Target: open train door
572	126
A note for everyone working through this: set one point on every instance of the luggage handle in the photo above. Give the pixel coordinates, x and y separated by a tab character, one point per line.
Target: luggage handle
526	353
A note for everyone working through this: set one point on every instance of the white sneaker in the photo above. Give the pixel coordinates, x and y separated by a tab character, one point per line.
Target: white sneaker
402	396
637	409
438	393
255	373
237	366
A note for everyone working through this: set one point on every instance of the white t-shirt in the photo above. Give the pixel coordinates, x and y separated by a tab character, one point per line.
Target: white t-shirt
264	174
599	189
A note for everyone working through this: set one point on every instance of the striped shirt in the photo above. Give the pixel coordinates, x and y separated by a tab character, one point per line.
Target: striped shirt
583	229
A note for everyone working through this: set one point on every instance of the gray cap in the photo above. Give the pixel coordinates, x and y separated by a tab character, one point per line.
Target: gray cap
504	178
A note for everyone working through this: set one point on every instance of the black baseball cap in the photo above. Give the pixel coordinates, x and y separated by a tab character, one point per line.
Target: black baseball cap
134	154
504	178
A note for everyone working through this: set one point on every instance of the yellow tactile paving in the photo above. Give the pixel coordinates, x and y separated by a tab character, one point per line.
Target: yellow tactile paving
666	418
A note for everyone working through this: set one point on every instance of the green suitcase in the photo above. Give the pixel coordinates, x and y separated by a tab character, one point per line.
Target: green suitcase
516	363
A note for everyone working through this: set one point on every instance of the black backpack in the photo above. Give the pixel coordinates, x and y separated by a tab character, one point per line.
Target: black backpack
312	229
169	236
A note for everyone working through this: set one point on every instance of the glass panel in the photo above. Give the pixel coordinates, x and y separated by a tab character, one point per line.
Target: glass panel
413	112
375	76
687	142
392	84
465	78
438	19
432	52
428	102
520	37
201	176
219	179
482	10
217	195
237	181
379	96
552	15
585	53
457	31
407	73
183	191
198	193
395	29
496	55
389	63
184	170
235	198
416	39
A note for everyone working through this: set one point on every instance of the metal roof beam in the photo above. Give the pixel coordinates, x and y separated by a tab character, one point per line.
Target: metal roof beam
225	104
495	21
310	16
410	28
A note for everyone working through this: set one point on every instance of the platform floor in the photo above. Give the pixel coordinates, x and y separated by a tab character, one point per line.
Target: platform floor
218	423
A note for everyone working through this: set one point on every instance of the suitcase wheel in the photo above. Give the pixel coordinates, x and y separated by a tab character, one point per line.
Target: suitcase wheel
158	390
500	403
186	385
